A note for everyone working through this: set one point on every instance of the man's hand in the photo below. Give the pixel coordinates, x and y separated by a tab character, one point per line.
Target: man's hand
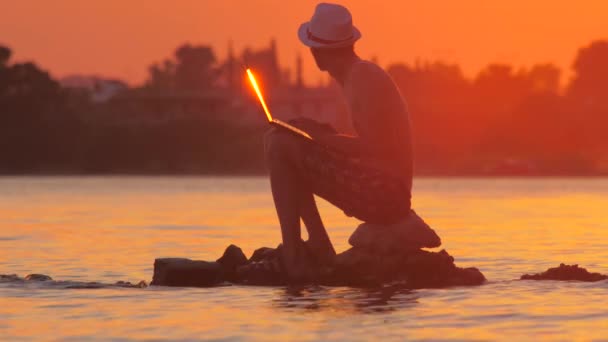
312	127
325	135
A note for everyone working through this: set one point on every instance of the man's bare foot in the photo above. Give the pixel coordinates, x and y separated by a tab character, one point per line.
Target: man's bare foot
322	251
300	265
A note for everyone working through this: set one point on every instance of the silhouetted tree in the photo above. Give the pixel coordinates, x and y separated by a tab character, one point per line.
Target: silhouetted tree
439	98
587	96
5	55
193	69
543	78
37	126
499	89
591	74
162	76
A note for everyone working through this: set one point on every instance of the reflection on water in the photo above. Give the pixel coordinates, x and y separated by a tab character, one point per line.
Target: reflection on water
354	300
111	229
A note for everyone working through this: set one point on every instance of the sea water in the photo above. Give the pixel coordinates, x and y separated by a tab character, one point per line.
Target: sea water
108	229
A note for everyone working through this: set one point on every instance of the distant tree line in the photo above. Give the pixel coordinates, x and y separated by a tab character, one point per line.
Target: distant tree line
463	125
501	121
38	126
49	129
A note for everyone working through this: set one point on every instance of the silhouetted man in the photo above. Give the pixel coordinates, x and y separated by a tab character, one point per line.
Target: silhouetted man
368	176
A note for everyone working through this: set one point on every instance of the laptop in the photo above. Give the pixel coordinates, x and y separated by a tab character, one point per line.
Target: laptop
271	120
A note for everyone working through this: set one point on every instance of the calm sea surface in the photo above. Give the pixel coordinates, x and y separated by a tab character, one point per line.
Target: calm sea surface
111	229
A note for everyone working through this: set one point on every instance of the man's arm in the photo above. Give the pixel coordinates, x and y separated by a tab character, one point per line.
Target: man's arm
346	144
325	135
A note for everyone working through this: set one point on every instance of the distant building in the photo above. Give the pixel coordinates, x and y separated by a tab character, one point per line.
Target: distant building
152	107
100	89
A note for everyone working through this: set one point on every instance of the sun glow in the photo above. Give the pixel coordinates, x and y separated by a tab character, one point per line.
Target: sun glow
254	83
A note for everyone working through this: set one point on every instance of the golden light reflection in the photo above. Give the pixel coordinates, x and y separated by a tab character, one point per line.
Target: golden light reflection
254	83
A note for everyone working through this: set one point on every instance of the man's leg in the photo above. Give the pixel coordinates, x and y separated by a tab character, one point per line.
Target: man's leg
293	198
318	240
283	159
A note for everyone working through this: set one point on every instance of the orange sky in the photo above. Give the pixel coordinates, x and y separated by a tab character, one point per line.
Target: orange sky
120	38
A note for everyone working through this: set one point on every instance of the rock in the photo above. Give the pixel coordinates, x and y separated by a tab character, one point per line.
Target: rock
419	269
263	268
78	285
141	285
232	258
262	253
67	284
437	269
186	272
566	272
358	266
7	278
262	273
408	235
37	277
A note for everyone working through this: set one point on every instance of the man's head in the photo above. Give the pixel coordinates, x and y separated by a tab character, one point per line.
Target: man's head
329	59
330	34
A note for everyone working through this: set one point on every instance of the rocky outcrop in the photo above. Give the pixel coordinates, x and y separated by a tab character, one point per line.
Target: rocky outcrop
47	281
262	254
37	277
419	269
232	258
186	272
410	234
566	272
380	254
354	267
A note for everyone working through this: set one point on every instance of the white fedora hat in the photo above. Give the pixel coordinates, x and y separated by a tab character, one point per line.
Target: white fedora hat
331	26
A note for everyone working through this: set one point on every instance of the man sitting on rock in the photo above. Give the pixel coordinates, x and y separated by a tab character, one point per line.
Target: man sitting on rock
368	176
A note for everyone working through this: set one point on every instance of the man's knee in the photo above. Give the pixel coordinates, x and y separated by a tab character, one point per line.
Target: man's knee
280	144
268	140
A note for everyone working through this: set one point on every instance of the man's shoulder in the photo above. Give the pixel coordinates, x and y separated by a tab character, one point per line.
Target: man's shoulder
366	71
363	67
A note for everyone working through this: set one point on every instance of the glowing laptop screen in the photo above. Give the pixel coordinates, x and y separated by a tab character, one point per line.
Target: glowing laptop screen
254	83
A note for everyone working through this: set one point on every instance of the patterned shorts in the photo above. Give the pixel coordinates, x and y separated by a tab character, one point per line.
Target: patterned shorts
367	193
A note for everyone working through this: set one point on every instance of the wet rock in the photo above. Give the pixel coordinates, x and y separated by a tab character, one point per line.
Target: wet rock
186	272
37	277
364	267
419	269
8	278
437	269
232	258
566	272
262	273
408	235
141	285
352	267
262	253
380	254
67	284
263	268
78	285
91	285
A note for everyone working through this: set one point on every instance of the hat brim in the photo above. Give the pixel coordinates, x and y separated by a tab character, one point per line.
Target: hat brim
302	34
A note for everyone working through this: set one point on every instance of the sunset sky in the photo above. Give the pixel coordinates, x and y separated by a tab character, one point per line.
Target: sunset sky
118	38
